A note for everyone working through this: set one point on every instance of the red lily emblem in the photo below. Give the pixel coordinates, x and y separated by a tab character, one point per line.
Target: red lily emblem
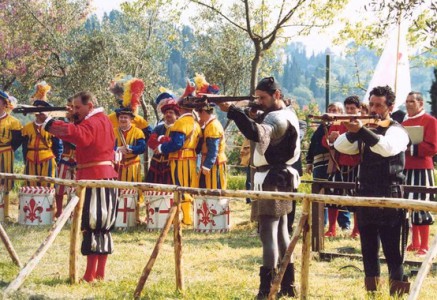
33	211
207	214
150	212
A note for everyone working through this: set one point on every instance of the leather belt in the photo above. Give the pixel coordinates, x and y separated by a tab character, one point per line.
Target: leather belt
93	164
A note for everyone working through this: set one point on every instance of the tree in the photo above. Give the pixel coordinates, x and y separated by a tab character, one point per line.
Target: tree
34	39
264	23
418	14
433	94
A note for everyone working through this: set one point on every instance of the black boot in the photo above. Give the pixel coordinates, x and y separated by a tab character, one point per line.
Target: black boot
399	287
266	276
287	284
372	283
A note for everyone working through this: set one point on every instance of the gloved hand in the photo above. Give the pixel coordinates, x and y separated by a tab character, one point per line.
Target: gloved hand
164	139
153	141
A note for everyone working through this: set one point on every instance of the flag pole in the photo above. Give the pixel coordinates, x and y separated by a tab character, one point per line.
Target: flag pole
397	54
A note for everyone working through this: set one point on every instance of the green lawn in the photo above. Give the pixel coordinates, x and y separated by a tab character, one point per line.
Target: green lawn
216	266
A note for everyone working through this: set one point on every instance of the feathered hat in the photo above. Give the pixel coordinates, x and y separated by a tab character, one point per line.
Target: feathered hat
128	91
169	104
40	94
164	95
116	86
203	87
190	90
133	90
124	111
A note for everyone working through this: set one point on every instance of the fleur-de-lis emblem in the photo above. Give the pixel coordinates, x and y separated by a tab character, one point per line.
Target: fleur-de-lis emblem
150	212
33	211
206	214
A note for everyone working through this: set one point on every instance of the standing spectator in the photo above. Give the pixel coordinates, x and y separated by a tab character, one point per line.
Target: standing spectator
211	146
67	164
419	167
159	171
10	140
380	176
346	168
130	143
181	151
41	149
318	156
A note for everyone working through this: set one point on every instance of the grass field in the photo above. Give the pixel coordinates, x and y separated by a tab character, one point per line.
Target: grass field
215	266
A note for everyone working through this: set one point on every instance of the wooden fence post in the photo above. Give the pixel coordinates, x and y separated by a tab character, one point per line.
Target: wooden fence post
178	243
152	259
306	250
317	220
423	271
287	256
9	247
75	236
42	249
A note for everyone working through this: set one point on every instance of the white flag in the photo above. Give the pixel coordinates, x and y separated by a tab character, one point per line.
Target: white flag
385	72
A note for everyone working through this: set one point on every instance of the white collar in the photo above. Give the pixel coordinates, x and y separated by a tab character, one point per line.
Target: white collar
421	113
3	115
94	112
38	124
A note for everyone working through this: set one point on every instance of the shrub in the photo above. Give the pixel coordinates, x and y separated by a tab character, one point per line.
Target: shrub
237	182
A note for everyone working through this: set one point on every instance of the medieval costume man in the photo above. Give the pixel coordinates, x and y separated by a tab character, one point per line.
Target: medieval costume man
93	135
380	175
276	136
419	167
10	140
181	151
67	164
212	148
159	171
41	149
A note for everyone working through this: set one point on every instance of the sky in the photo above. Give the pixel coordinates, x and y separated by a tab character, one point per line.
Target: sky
314	43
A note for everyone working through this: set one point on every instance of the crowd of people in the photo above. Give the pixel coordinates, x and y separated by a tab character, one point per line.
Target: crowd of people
89	144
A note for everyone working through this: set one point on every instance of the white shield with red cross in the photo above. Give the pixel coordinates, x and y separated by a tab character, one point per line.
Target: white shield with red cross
36	205
211	215
2	204
158	206
127	203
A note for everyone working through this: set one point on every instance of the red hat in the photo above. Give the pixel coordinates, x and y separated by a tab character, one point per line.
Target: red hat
170	104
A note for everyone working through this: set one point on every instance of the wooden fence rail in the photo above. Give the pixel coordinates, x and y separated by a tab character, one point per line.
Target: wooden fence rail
307	199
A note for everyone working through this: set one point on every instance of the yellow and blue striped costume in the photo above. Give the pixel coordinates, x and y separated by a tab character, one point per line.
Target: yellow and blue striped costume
181	152
129	168
10	140
213	155
41	152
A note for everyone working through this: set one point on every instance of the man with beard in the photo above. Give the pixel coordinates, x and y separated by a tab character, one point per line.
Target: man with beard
159	171
380	175
277	147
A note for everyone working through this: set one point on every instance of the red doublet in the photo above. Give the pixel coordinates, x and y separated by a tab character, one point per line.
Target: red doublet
343	159
424	151
94	139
